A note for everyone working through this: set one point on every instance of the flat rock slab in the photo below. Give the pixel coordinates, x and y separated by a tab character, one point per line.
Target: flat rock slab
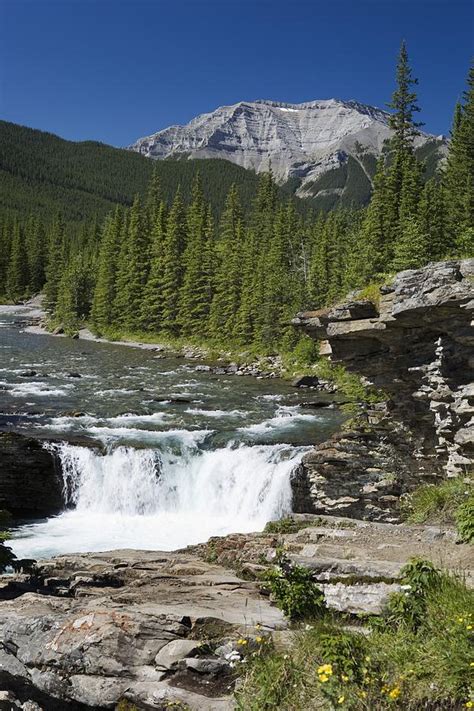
119	625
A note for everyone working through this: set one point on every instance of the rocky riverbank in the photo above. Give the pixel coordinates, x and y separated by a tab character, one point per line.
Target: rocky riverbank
157	629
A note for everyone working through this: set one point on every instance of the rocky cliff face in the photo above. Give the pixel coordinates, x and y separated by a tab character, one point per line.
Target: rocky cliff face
417	346
299	141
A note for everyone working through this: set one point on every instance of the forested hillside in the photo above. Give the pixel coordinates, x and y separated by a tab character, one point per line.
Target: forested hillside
236	275
43	174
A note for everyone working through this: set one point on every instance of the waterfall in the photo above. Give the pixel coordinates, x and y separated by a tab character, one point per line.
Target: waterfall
163	499
239	483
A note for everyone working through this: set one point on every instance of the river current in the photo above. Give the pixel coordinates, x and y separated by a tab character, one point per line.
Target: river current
154	454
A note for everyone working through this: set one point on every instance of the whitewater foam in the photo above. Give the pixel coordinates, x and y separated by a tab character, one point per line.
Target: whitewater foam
162	499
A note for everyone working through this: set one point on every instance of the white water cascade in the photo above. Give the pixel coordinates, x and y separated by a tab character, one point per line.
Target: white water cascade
162	499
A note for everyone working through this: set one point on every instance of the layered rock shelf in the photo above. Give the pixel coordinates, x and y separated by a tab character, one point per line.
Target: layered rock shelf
416	345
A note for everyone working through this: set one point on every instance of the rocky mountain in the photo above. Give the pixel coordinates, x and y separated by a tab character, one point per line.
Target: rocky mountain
325	149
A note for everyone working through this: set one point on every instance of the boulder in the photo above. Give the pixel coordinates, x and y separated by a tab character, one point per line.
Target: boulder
306	381
30	480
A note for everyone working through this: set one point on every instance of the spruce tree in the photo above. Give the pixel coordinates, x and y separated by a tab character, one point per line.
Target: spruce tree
318	272
228	269
135	269
432	221
403	181
404	105
74	294
458	177
194	298
106	284
55	263
152	303
6	228
17	274
173	247
411	249
36	245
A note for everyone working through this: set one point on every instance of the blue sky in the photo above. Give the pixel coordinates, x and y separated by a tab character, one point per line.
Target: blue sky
115	70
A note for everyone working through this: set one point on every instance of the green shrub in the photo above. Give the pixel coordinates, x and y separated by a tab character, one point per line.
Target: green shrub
465	520
288	525
419	577
452	501
348	384
371	292
294	590
436	501
306	351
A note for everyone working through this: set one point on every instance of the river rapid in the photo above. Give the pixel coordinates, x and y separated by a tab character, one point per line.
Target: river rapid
154	454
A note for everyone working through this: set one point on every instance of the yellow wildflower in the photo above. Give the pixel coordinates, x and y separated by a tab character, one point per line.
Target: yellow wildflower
242	641
258	627
469	704
363	694
259	639
344	677
325	669
395	693
469	627
460	619
341	700
323	678
471	664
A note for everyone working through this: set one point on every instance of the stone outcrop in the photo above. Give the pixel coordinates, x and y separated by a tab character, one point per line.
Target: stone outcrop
153	628
157	629
416	345
30	482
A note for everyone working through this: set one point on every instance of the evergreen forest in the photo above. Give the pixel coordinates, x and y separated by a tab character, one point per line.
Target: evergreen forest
231	265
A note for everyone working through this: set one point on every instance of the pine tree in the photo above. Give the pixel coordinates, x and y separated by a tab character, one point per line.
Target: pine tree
55	263
173	247
36	245
432	221
194	298
135	270
17	274
228	270
74	294
152	303
458	177
105	290
411	249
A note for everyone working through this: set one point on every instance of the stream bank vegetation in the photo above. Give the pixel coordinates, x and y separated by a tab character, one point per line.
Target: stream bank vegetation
418	654
449	502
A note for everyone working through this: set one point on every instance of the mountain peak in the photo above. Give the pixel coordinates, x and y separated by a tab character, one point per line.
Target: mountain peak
299	141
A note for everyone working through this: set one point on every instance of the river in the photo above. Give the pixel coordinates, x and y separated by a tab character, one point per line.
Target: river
154	453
